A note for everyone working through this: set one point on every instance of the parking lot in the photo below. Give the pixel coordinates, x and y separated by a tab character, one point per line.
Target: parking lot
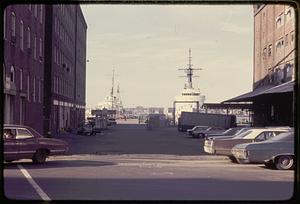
128	162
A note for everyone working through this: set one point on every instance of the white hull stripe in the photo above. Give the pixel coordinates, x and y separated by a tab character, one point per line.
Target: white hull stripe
36	187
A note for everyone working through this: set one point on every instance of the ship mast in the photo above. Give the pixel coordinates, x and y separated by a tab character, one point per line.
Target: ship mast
112	89
189	71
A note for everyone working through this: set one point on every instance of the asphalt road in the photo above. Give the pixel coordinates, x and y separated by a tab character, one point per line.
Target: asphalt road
135	139
131	163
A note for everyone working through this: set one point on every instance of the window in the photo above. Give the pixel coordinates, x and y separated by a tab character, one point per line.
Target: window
21	35
12	73
4	26
265	52
55	50
270	50
286	39
292	37
39	86
23	134
35	10
289	13
279	44
279	20
13	24
264	136
33	89
34	47
9	133
41	48
55	24
21	79
28	37
41	13
28	87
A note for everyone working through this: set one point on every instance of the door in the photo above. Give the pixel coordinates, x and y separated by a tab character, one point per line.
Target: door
26	142
10	146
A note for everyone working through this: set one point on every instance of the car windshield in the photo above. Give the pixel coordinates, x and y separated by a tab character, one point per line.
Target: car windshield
231	131
243	134
286	136
201	128
241	131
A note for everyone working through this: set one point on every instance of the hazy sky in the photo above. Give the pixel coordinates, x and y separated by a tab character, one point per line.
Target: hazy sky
147	44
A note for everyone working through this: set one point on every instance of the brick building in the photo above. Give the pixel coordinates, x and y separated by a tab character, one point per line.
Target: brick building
23	65
65	36
44	66
274	66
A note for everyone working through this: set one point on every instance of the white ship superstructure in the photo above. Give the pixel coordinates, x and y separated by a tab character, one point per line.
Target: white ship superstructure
190	98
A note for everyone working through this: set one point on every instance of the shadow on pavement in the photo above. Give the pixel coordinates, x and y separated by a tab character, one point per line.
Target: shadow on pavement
71	188
57	164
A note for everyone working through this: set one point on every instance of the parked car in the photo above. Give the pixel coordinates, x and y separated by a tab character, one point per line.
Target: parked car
196	128
276	152
229	132
86	129
23	142
111	121
224	146
210	130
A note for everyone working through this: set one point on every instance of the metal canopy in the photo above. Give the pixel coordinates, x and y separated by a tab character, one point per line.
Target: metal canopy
282	88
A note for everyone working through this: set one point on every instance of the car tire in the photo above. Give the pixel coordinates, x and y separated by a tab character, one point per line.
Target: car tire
39	156
285	162
270	165
233	159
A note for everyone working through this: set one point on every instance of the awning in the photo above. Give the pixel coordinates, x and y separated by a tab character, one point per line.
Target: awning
282	88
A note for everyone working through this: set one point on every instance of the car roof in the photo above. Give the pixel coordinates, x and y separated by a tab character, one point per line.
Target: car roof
257	131
15	126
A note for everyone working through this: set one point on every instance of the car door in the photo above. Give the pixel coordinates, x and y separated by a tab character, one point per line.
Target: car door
26	143
10	146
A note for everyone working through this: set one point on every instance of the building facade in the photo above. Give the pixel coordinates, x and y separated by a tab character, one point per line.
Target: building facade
80	69
44	66
274	44
23	67
274	63
273	66
65	36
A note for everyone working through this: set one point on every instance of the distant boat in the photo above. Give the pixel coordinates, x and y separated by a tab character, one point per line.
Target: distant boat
112	101
190	98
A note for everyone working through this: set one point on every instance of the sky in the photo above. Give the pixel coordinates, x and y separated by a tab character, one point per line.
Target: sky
147	44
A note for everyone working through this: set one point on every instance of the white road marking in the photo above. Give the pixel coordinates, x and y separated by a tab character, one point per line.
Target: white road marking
36	187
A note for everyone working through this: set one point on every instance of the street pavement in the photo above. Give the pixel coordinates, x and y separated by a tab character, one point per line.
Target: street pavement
128	162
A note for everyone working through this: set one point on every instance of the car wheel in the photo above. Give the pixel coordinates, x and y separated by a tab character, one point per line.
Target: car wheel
39	156
233	159
270	165
284	162
201	135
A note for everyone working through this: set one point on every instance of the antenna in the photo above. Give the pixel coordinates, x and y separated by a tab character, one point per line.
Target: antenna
189	71
112	87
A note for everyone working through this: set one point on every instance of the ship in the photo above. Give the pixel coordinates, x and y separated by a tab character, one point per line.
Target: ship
112	101
190	98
